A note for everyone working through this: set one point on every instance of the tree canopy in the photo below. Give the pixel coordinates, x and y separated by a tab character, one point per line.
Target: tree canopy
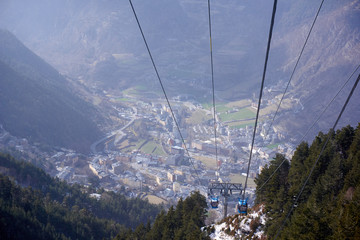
35	206
183	222
329	206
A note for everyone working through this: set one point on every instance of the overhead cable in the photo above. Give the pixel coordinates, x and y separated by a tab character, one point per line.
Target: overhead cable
317	160
297	62
313	124
213	85
163	89
261	90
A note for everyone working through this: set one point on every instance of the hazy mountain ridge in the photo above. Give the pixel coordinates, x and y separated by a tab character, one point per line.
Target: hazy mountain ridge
100	43
36	102
99	36
329	58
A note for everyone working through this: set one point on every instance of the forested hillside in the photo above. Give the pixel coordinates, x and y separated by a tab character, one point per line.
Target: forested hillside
183	222
35	206
329	206
39	207
37	103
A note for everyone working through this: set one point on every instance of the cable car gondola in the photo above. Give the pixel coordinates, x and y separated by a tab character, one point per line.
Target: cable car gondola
242	206
214	202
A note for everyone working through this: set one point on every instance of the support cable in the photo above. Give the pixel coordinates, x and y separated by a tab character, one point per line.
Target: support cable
297	62
308	130
322	150
163	89
213	86
261	90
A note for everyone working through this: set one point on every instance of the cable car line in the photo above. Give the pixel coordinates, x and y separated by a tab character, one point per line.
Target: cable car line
292	74
163	89
322	150
213	86
261	90
214	201
313	124
297	62
226	189
288	84
242	205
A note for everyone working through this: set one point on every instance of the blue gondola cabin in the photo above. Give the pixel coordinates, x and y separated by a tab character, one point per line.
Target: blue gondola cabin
242	206
214	202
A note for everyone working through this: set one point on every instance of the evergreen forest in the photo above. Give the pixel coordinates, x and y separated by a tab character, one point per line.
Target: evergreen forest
35	206
329	204
183	222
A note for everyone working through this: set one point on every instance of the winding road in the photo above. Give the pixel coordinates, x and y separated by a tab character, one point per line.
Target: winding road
114	133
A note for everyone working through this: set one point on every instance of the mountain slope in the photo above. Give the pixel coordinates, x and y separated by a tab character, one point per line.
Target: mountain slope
182	222
37	104
330	56
100	43
88	39
328	207
35	206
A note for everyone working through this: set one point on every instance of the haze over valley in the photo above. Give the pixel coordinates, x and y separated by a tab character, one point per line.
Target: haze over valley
79	96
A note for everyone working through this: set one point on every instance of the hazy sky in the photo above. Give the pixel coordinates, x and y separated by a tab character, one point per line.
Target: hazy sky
100	42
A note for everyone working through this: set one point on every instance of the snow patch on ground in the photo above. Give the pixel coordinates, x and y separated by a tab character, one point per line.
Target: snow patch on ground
219	233
235	227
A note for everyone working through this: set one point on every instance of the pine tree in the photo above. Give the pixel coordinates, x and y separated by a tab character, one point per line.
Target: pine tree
329	206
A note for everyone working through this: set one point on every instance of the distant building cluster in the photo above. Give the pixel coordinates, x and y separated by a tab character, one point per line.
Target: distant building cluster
185	168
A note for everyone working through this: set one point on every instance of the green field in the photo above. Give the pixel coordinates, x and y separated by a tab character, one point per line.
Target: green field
207	105
238	178
272	146
241	124
198	117
139	143
238	118
150	146
130	91
239	104
221	108
209	162
244	113
123	99
127	145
